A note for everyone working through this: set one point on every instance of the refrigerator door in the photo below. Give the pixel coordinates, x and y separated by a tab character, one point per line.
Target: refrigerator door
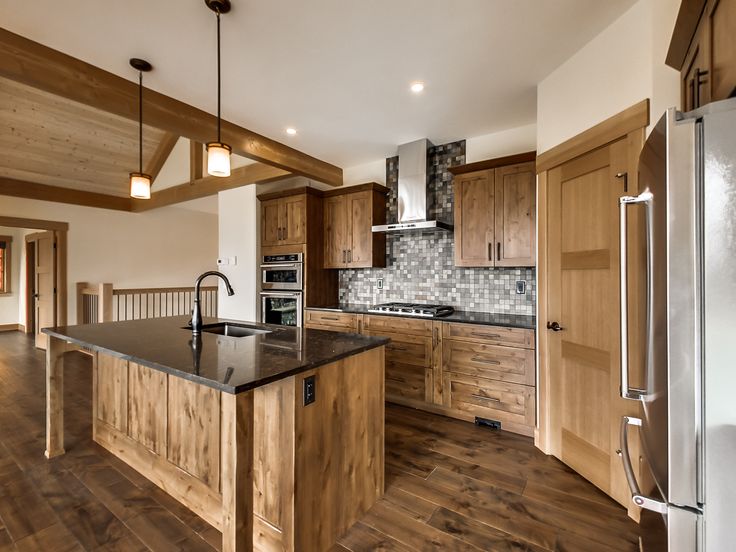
671	421
719	140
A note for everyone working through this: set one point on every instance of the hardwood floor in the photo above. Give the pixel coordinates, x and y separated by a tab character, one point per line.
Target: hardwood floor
450	485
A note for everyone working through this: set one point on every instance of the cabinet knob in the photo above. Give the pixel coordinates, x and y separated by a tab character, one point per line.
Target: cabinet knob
554	326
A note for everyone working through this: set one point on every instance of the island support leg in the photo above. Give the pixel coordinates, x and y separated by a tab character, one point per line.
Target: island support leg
237	472
55	350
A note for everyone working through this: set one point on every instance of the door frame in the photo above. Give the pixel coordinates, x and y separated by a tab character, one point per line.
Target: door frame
60	230
630	124
30	283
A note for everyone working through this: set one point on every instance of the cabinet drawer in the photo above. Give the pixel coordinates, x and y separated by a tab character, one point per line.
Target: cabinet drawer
505	402
337	321
405	381
496	335
407	349
509	364
397	324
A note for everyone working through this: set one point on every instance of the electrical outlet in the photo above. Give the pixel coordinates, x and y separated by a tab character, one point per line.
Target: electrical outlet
379	283
520	287
310	390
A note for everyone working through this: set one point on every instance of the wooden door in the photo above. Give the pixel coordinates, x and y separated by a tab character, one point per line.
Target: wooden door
515	203
293	216
360	240
722	40
335	231
270	226
582	297
45	285
474	219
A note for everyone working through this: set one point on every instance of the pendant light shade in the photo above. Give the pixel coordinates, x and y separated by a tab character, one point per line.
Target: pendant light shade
218	153
140	182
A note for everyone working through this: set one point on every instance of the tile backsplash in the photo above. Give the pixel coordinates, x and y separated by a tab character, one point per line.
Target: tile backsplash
420	265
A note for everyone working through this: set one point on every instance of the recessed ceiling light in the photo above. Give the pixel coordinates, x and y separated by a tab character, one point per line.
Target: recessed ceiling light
417	87
291	131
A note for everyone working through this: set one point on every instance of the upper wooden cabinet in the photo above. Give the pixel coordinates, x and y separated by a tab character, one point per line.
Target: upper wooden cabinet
703	49
349	215
495	212
284	220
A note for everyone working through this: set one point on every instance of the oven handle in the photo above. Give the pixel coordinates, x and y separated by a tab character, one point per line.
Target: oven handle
281	293
285	265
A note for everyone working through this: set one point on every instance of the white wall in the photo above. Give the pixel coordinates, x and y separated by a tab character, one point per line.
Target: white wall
620	67
160	248
499	144
239	216
9	303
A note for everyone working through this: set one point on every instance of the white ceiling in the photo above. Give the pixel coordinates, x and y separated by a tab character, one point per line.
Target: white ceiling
337	70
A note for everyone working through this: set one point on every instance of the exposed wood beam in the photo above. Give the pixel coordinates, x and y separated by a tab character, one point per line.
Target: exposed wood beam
161	155
31	190
210	185
33	64
196	158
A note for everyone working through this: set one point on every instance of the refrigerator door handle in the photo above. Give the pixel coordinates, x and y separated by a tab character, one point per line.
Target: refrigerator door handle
646	197
646	502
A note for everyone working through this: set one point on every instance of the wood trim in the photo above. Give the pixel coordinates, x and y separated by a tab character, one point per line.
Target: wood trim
613	128
12	327
682	35
7	289
161	155
33	64
43	192
36	224
515	159
368	186
291	192
196	160
210	185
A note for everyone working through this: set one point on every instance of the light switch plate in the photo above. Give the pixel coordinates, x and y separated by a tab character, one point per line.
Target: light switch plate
520	287
379	283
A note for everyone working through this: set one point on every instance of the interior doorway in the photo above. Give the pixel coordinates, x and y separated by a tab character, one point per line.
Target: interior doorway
44	301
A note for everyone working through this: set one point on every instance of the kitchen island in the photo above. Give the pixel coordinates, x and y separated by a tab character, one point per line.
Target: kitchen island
274	436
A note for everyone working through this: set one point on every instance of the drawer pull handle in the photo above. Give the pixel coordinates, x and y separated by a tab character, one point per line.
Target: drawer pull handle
397	380
479	334
483	397
396	348
485	360
330	318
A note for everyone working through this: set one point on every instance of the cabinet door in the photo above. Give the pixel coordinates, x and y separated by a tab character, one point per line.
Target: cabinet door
335	231
515	202
293	216
723	49
474	219
360	235
270	228
695	72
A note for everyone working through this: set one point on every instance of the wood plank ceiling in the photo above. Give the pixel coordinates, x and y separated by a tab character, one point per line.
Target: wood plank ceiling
51	140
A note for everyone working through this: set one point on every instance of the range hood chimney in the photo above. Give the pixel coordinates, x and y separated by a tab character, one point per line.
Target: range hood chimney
413	191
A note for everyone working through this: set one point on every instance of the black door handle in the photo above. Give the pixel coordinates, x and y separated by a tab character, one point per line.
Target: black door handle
554	326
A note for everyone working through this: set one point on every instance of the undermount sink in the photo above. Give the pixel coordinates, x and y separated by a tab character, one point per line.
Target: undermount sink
233	330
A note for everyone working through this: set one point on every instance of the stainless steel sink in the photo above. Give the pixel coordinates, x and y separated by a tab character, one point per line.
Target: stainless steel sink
233	330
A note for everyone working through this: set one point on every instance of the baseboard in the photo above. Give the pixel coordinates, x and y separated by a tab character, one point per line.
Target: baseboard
22	328
11	328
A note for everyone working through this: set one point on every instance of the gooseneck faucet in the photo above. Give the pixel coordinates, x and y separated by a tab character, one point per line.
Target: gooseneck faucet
197	311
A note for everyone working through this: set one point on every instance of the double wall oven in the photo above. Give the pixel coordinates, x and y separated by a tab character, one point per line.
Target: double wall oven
282	285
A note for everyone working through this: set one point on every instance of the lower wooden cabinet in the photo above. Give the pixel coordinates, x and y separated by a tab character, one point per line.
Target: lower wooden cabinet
455	369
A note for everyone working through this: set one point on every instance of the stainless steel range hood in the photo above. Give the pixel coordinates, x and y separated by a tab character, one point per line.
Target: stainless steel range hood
413	191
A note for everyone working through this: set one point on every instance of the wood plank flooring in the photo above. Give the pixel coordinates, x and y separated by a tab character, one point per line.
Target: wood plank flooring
450	485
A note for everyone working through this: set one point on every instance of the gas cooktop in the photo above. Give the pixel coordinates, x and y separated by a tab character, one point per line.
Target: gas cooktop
412	309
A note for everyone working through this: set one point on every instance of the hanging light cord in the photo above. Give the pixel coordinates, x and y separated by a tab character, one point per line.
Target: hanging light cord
218	76
140	121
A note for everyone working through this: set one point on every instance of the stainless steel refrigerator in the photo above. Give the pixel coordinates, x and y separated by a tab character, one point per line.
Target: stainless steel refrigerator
687	176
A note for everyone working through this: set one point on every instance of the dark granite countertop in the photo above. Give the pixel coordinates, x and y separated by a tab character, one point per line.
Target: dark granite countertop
230	364
463	317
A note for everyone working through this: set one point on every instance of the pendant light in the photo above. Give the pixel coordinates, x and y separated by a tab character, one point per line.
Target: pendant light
218	153
140	182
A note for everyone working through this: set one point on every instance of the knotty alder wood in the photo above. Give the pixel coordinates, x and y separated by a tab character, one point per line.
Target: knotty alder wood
35	65
57	194
527	157
474	219
55	397
515	203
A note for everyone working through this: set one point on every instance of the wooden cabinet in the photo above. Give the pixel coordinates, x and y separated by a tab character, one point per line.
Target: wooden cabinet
495	205
348	217
331	320
703	49
284	221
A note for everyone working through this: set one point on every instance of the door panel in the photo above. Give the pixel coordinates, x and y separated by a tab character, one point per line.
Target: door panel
293	215
361	237
515	204
45	285
474	220
583	296
335	231
270	228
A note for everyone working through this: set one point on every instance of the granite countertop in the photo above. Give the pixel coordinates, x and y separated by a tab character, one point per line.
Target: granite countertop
229	364
463	317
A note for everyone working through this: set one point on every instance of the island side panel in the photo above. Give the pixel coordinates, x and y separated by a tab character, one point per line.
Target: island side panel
339	452
55	350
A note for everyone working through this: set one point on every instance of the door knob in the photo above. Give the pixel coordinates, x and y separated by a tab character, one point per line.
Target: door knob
554	326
